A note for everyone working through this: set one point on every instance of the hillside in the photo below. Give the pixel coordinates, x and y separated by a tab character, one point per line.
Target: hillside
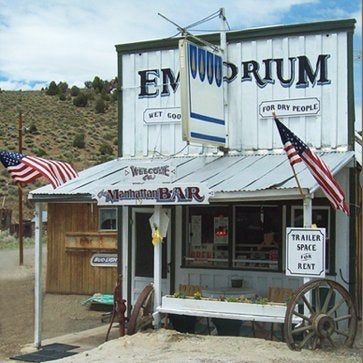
50	128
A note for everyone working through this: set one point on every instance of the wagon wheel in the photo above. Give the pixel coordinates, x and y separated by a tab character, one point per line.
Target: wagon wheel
141	315
321	312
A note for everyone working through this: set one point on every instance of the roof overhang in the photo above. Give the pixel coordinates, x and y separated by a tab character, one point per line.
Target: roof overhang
230	178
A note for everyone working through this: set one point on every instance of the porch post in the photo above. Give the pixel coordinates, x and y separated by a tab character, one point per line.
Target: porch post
307	218
38	275
157	261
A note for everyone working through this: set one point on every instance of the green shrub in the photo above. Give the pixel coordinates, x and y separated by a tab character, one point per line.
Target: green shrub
104	159
100	106
62	97
52	89
105	96
79	141
106	149
81	100
33	129
75	91
98	84
62	88
88	84
40	152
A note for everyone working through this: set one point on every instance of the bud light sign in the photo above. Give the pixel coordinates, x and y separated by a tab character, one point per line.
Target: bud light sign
104	260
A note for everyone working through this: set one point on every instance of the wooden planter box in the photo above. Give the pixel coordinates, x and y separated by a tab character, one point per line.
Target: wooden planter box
215	306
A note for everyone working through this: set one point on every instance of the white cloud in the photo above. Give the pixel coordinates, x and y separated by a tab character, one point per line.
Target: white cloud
74	41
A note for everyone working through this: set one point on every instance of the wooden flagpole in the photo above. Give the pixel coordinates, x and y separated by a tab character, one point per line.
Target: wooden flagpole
297	181
20	191
292	167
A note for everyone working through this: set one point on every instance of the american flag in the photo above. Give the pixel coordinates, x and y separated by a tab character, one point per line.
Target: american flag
25	169
298	151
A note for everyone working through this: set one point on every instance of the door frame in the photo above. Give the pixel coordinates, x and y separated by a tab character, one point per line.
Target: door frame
139	282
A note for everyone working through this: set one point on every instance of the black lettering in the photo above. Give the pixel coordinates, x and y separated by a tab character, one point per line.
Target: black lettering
306	72
252	67
268	77
147	81
280	71
232	71
169	80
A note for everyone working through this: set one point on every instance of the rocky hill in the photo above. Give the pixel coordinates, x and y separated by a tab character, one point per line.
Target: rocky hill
54	128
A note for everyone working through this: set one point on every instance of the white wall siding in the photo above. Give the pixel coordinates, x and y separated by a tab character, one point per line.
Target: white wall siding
247	129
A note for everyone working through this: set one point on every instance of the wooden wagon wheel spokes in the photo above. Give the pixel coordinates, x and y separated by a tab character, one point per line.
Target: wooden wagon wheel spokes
321	312
141	315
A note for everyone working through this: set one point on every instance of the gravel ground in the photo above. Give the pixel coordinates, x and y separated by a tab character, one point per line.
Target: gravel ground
62	314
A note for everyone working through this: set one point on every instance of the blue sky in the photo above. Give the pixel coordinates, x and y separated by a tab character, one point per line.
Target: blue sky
74	41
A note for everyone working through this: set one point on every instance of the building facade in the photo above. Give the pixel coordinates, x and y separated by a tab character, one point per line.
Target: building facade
221	192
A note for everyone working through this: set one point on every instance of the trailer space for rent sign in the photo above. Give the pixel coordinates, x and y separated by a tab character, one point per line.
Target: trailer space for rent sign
305	249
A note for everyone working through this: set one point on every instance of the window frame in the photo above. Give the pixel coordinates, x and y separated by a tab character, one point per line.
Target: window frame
102	219
214	255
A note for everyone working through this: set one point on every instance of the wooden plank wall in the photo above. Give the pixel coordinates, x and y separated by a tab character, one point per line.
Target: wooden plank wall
68	269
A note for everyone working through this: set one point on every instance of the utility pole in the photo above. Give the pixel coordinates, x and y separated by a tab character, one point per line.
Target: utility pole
20	191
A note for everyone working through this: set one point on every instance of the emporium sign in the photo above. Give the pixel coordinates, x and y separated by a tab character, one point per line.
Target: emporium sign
152	194
305	252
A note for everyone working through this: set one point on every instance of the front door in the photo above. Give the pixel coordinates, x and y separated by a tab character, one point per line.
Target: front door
143	253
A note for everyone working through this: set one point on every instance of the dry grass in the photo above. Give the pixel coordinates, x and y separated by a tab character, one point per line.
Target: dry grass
57	122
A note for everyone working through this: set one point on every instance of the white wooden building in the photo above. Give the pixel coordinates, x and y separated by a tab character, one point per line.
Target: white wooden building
221	198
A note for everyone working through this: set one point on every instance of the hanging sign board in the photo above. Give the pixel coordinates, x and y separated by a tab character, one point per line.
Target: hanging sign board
202	103
305	252
153	194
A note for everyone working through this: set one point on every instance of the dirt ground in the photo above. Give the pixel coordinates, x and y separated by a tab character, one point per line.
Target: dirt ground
64	314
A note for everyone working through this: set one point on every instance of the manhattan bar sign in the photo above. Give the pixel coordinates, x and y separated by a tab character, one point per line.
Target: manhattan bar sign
152	194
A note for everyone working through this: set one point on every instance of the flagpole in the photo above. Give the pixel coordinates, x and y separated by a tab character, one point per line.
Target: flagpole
292	167
297	181
20	191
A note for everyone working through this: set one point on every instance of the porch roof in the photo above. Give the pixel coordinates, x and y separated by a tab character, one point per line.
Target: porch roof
239	177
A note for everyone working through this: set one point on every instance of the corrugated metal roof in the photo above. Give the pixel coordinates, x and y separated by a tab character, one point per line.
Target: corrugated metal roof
229	177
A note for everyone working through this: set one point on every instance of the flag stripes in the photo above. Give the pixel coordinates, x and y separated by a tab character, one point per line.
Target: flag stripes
298	151
25	169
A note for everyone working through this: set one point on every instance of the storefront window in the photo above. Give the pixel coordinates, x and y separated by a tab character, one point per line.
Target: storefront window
208	237
258	243
241	237
108	219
